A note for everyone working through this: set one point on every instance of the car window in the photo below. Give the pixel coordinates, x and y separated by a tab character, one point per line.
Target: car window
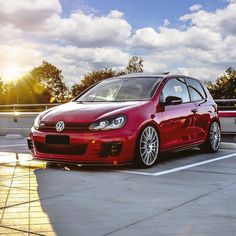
196	90
176	87
125	89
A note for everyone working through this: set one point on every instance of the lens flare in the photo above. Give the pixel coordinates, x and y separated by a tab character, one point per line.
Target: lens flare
11	73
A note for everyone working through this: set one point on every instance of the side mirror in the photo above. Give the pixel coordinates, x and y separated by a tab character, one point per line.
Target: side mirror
172	100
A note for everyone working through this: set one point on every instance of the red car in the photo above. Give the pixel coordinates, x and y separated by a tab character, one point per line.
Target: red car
130	118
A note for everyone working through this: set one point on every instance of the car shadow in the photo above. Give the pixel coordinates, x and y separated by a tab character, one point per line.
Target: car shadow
62	193
163	159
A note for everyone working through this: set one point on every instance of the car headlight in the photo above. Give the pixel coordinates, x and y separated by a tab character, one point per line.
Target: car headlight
37	122
109	123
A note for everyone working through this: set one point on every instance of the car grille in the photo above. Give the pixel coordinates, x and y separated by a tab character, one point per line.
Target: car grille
69	127
72	149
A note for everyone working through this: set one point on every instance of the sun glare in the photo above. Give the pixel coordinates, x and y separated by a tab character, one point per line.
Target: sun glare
11	73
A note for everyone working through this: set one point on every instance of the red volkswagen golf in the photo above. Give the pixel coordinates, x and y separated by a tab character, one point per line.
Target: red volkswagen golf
126	119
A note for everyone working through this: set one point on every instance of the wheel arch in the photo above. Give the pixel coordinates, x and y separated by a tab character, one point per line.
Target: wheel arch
138	136
143	126
214	119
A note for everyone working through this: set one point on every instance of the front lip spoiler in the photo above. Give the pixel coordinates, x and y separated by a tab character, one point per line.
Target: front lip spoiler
81	164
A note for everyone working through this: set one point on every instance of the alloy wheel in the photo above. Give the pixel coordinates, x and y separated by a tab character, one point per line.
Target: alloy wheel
214	136
149	146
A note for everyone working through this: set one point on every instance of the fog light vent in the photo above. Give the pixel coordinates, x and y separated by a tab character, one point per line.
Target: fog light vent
30	144
111	149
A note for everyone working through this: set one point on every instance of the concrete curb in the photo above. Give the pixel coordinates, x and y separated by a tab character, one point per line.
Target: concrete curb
225	145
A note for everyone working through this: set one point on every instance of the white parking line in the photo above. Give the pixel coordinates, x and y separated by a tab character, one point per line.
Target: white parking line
13	145
181	167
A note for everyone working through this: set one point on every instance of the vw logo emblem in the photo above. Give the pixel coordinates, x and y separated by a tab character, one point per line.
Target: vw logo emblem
60	126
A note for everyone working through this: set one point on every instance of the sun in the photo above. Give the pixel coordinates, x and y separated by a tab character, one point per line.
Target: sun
11	73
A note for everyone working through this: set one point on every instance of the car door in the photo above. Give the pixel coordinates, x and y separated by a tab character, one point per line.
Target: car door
205	109
178	127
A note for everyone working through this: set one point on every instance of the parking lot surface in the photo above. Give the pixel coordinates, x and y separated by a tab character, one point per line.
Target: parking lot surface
186	193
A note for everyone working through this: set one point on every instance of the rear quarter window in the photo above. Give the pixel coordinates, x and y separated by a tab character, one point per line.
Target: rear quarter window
196	90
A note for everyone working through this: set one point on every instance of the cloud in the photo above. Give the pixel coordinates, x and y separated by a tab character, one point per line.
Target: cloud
115	14
166	22
29	57
75	62
206	45
26	14
10	33
201	45
202	73
195	7
43	19
89	30
170	37
222	20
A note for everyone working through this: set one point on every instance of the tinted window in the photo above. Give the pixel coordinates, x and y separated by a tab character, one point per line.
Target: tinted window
125	89
176	87
196	90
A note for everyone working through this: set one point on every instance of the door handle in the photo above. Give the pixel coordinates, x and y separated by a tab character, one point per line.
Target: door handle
194	110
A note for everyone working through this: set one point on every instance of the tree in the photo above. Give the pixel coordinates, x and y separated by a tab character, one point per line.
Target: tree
135	65
1	85
225	85
1	91
8	93
28	90
51	78
43	84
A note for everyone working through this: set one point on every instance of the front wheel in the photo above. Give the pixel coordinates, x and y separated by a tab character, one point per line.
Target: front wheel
147	148
212	143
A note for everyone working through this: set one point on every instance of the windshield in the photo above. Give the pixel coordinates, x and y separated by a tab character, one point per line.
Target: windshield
130	89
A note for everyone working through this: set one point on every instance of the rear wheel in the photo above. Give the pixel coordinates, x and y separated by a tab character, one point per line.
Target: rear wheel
212	143
147	148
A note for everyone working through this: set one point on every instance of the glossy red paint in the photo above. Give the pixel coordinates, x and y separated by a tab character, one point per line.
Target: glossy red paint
178	126
227	114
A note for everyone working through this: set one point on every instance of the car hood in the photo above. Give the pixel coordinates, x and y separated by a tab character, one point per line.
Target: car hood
87	112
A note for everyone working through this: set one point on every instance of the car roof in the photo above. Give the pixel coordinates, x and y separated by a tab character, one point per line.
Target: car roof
140	75
151	75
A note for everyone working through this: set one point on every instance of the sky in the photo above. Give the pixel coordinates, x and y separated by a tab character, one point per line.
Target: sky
190	37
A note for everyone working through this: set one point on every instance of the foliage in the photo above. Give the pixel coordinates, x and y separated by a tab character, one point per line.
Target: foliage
51	78
1	90
1	85
8	93
30	90
43	84
225	85
135	65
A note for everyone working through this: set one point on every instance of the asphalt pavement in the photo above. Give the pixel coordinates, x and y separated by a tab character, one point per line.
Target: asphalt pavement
186	193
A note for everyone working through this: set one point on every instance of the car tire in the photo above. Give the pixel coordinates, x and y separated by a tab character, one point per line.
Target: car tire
213	139
147	148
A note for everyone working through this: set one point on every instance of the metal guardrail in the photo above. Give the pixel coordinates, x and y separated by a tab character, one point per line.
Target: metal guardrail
18	118
226	104
27	107
225	100
223	104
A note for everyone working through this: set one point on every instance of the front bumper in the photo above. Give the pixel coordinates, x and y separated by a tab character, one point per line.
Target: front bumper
106	147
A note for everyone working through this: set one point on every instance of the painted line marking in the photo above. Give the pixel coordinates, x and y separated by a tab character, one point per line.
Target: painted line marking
181	167
13	145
